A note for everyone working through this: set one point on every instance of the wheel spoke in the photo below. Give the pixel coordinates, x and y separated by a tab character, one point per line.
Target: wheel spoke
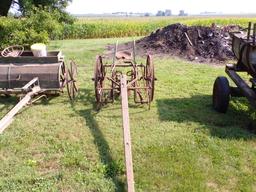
71	82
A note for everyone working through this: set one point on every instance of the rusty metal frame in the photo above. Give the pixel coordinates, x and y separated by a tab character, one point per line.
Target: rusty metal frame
108	74
246	43
131	85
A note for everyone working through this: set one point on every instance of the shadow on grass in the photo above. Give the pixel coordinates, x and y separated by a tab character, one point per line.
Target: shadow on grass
112	167
198	108
8	102
11	101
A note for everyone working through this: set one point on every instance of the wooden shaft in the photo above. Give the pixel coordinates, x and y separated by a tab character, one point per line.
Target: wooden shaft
32	82
8	118
127	135
115	51
113	66
134	51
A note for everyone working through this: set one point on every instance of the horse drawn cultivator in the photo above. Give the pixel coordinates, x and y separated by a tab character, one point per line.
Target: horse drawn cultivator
21	73
122	76
140	77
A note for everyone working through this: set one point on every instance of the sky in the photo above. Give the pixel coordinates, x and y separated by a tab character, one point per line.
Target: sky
190	6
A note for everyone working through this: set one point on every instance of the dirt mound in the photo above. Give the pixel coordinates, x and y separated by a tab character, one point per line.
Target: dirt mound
199	43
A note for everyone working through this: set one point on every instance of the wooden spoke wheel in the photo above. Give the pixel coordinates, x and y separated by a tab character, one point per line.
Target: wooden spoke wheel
12	51
150	77
112	92
71	81
63	75
98	79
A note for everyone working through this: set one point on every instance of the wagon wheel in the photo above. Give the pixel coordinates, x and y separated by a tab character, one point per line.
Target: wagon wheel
63	75
113	86
150	78
71	81
12	51
137	92
98	79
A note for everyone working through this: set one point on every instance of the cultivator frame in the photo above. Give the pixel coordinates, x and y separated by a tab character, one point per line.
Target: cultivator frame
140	77
244	48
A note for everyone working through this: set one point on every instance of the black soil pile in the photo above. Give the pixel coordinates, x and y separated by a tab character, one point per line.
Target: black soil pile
202	44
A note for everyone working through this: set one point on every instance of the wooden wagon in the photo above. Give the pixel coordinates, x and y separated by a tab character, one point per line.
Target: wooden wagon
34	77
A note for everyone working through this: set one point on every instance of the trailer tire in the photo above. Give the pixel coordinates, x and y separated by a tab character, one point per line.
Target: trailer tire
221	94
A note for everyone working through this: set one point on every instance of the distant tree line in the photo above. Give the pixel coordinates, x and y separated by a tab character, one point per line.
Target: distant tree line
41	21
167	12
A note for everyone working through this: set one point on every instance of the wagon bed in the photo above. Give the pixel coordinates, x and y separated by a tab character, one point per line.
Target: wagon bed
27	57
33	78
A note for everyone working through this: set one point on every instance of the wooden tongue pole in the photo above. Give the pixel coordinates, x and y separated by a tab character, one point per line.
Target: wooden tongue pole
127	135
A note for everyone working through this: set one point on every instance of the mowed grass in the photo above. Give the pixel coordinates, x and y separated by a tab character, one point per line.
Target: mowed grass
181	144
100	27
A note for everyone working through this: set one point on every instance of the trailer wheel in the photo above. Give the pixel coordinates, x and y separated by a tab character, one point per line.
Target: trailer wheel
221	94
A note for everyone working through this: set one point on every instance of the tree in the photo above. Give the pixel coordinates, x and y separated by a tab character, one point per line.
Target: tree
160	13
27	5
4	7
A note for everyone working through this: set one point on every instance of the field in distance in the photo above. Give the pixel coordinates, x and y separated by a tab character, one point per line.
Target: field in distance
109	27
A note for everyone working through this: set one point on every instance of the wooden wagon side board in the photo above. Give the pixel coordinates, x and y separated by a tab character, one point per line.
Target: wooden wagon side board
27	57
17	75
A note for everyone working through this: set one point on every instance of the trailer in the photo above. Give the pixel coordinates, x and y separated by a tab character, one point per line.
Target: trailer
244	49
32	78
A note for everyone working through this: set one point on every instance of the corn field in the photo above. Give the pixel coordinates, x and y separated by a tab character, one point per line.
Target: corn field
85	28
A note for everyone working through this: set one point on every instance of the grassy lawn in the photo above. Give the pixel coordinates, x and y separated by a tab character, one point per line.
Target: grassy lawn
181	144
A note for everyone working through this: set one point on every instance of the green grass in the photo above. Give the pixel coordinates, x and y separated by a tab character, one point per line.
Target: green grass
140	26
181	144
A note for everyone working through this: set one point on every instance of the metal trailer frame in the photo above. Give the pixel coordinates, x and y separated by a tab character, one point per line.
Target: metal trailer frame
244	48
